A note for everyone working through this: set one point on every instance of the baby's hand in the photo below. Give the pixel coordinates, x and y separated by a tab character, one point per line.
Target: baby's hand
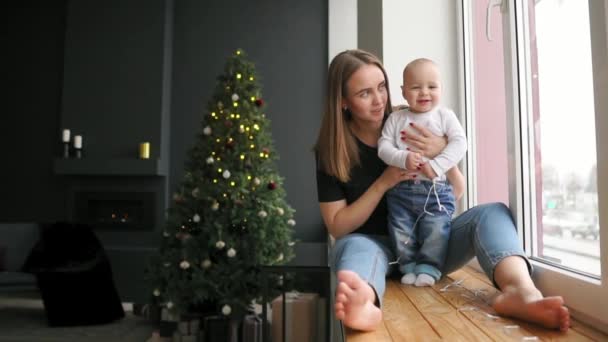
413	161
428	171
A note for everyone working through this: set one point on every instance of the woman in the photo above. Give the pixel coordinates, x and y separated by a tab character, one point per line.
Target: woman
351	184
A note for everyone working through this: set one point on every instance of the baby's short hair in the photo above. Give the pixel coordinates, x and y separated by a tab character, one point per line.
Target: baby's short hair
416	62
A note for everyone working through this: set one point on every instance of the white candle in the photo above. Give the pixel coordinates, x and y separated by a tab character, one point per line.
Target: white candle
78	141
66	136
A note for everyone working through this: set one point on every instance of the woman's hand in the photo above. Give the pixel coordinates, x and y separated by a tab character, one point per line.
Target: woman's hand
424	141
393	176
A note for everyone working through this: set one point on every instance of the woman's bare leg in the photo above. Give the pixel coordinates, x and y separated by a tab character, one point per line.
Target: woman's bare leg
354	304
521	299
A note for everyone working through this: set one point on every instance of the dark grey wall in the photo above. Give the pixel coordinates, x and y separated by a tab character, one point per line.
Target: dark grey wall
113	75
287	40
32	62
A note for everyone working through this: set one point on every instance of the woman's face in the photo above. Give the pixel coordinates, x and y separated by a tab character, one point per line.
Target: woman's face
366	94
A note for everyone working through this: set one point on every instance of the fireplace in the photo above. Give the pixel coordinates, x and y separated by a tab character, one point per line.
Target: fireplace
116	210
118	204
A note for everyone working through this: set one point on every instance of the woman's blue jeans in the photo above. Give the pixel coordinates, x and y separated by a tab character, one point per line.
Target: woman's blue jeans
486	231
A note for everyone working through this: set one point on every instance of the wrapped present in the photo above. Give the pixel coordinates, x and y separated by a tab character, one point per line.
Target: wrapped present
166	328
300	317
220	329
189	325
322	319
252	329
178	337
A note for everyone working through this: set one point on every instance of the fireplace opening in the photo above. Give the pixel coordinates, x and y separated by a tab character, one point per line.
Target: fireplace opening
116	210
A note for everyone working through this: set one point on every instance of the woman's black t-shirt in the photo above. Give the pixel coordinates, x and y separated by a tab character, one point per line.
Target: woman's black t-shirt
330	189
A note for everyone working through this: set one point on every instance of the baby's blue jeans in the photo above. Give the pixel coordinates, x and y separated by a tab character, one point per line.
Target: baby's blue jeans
419	219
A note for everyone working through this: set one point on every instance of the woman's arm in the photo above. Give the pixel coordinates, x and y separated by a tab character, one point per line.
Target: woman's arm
341	218
457	181
425	142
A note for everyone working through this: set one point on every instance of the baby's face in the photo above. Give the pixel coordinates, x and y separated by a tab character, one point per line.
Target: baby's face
422	87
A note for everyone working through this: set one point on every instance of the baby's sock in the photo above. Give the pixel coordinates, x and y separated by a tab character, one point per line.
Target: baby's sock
424	279
408	279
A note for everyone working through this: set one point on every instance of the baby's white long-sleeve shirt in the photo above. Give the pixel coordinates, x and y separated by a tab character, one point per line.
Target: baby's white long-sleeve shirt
440	121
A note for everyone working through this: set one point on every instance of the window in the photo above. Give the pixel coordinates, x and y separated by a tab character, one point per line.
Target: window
540	98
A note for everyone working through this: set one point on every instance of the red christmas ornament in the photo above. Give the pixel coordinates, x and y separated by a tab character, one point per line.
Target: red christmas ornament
228	123
272	185
266	150
229	144
259	102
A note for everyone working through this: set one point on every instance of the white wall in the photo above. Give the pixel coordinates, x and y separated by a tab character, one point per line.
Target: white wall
342	26
414	29
411	29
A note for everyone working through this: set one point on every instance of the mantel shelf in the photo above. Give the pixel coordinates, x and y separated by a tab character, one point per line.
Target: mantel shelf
109	167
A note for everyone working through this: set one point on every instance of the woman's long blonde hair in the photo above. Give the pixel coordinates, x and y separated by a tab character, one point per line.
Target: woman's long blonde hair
336	146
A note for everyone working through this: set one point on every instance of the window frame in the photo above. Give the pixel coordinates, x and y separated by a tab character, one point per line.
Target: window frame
580	292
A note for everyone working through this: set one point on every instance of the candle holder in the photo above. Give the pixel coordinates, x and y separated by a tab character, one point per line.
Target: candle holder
66	150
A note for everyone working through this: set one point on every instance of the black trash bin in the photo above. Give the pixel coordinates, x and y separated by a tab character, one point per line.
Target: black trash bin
74	276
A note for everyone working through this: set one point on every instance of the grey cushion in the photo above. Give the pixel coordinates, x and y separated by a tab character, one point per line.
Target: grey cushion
17	240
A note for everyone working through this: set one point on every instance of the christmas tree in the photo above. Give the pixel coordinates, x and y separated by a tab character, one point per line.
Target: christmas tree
229	215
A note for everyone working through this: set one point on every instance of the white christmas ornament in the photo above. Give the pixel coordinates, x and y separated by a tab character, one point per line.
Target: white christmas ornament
206	263
231	253
215	206
257	181
280	257
241	129
156	292
196	218
210	160
291	222
280	211
262	214
220	244
184	265
166	234
195	192
257	308
169	305
226	310
226	174
235	97
207	130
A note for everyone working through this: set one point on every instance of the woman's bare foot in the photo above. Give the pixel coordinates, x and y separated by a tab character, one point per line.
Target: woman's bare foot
529	305
354	304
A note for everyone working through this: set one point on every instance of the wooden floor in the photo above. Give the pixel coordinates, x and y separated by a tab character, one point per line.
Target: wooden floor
457	313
